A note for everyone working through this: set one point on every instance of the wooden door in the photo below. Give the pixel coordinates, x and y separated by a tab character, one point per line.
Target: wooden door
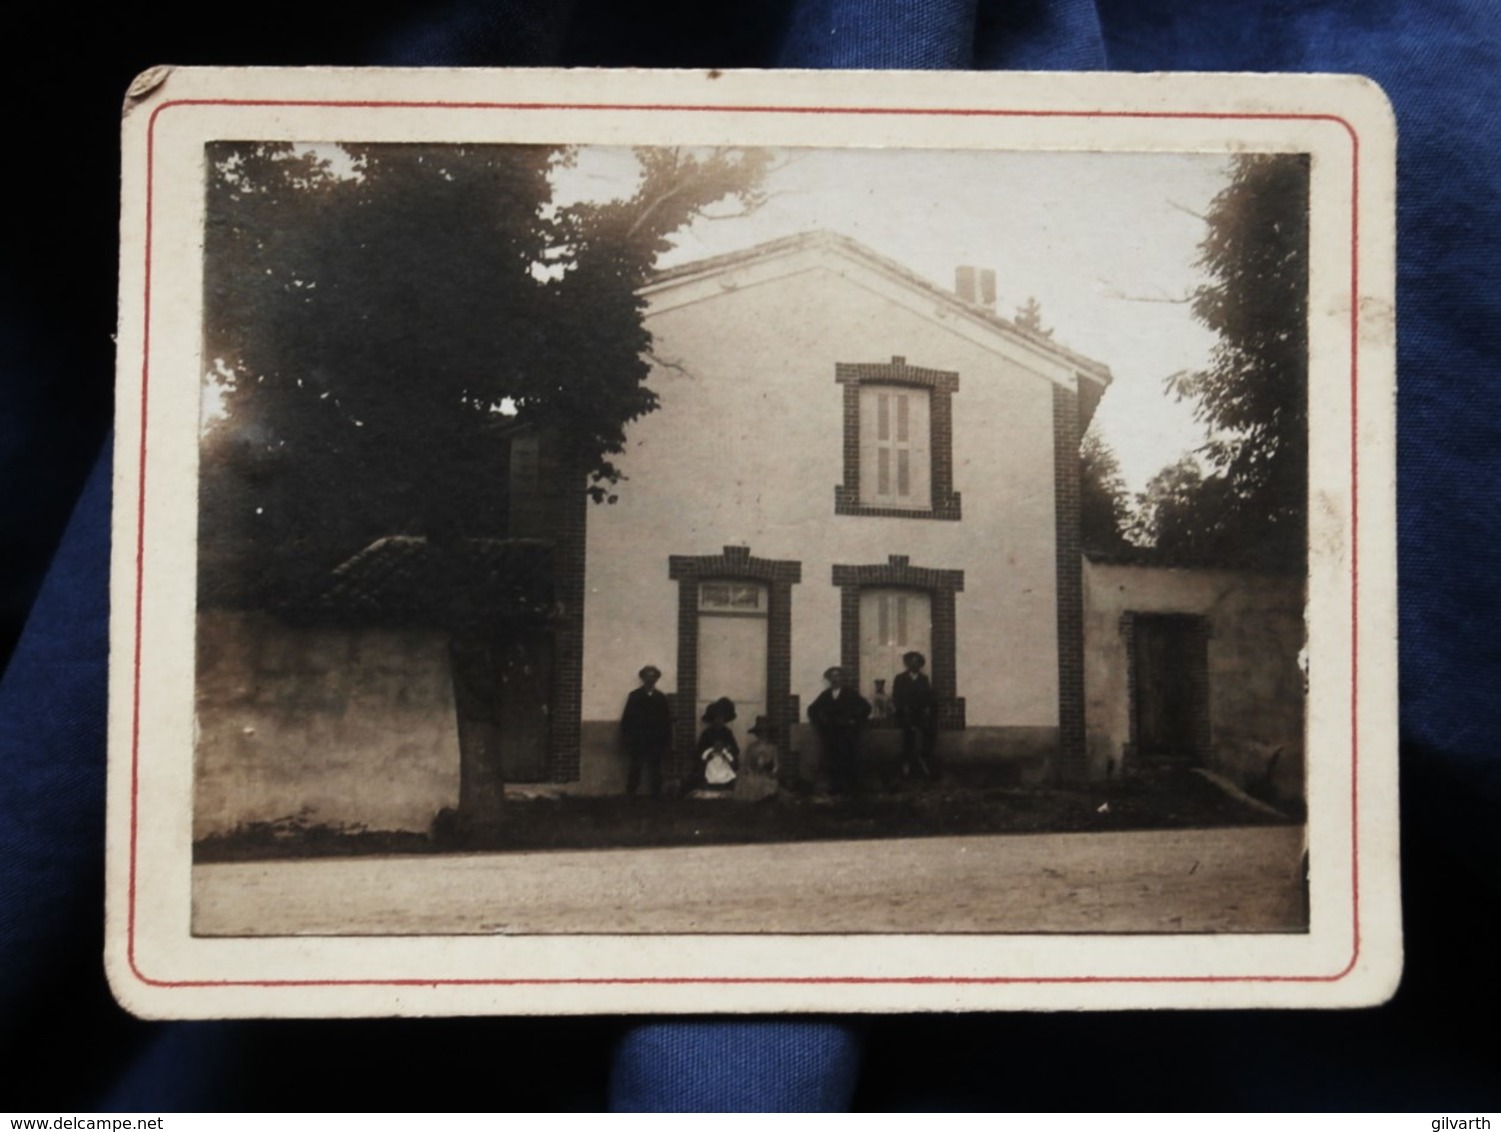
1171	661
732	655
523	702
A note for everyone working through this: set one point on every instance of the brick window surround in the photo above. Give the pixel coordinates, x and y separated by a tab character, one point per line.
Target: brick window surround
735	562
941	386
940	586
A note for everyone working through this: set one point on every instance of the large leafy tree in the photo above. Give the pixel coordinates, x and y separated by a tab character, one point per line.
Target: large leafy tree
379	318
1104	507
1181	513
1253	396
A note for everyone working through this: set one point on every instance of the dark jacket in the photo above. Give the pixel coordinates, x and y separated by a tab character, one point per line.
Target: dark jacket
647	721
913	699
849	709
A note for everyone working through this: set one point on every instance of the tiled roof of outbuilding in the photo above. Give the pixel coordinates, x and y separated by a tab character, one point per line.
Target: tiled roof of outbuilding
405	576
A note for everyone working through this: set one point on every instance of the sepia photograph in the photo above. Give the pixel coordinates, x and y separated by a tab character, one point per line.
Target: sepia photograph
786	538
860	540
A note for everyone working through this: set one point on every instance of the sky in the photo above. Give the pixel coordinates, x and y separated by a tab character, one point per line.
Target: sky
1106	243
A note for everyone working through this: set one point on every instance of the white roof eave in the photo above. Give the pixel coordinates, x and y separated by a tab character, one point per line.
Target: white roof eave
772	263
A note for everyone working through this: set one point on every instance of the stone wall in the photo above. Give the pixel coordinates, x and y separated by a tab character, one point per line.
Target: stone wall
337	727
1255	629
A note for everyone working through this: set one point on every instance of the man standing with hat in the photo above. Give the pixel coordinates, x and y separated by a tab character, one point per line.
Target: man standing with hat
916	708
646	730
839	713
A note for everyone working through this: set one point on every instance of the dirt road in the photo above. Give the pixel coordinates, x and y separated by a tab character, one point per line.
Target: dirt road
1199	880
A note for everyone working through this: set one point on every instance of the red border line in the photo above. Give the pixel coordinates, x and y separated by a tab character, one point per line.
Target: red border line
913	980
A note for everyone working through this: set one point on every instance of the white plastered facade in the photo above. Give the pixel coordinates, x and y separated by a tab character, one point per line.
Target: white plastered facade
748	445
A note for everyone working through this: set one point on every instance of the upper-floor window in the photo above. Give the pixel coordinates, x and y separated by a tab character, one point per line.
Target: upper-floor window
898	441
895	447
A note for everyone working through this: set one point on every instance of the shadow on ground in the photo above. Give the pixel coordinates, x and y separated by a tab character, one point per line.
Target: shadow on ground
1159	798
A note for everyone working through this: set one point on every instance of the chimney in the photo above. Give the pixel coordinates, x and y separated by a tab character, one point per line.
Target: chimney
964	283
975	285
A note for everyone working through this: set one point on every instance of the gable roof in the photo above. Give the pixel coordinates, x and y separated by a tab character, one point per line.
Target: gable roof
674	286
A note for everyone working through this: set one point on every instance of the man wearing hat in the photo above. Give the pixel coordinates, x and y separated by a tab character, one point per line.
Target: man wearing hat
839	713
646	730
917	714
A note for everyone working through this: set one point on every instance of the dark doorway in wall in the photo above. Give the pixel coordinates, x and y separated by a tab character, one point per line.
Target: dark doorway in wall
502	683
1170	686
523	698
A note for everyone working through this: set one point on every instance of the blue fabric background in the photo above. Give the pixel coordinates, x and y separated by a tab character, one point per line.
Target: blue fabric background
65	1045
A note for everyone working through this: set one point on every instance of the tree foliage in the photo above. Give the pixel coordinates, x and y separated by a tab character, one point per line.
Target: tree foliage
379	318
1251	495
1104	507
1181	514
1029	317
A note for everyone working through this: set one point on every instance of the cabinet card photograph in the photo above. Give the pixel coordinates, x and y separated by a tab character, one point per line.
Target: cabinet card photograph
656	542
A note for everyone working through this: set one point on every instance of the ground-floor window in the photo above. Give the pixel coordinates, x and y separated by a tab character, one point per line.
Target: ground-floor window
892	608
893	622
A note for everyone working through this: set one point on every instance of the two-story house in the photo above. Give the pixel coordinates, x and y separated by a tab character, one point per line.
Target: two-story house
848	463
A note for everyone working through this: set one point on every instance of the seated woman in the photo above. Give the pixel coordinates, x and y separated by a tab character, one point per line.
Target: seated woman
758	768
718	762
